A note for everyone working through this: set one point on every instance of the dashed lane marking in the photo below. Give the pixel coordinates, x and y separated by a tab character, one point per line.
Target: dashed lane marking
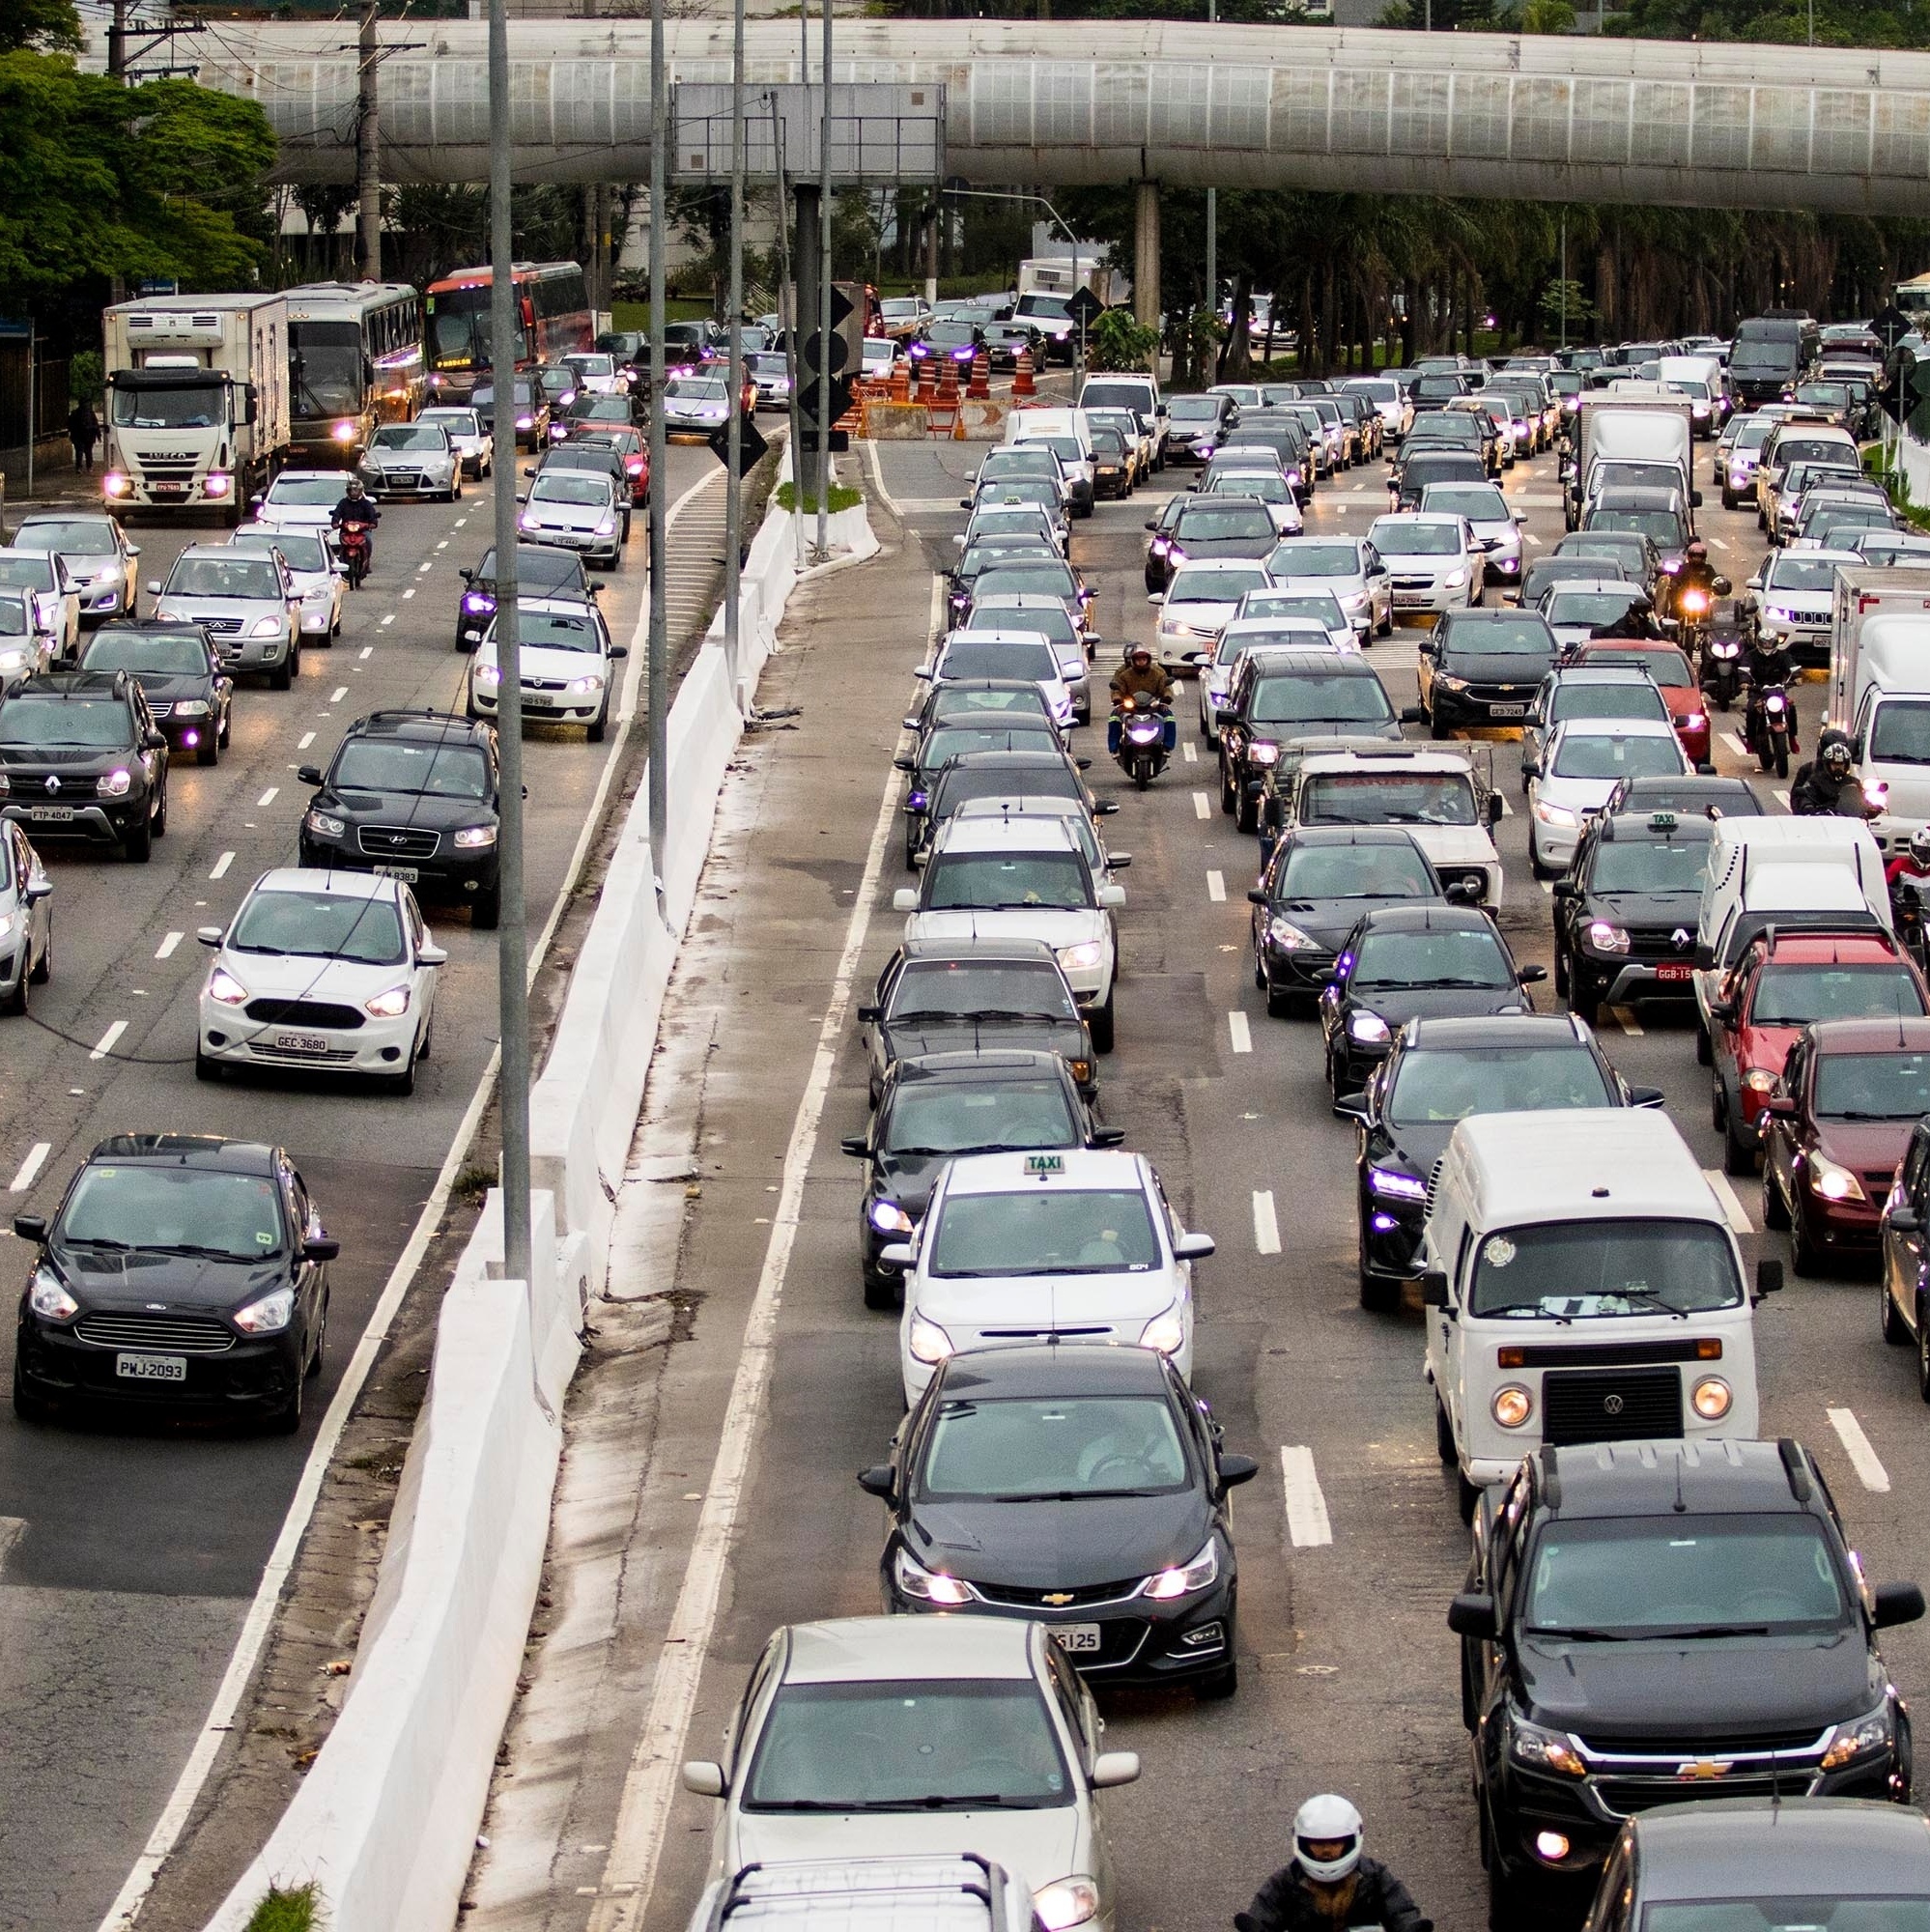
420	568
1187	753
1202	805
409	593
28	1169
1732	1203
106	1046
1782	799
166	949
1265	1222
335	697
367	651
1216	886
1735	744
388	621
1624	1018
1242	1042
1307	1522
302	743
1857	1447
269	796
221	865
1532	538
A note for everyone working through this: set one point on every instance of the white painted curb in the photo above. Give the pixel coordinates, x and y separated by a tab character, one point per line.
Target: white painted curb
385	1821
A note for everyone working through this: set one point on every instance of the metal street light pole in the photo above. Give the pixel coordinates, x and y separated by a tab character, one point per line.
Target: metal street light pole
733	484
660	642
512	941
1212	211
368	144
824	376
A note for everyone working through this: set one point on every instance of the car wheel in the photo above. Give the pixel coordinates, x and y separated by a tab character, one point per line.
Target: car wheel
1775	1210
882	1291
160	816
287	1419
209	751
27	1405
1561	972
1229	793
225	737
1738	1157
1280	1005
1436	729
1101	1019
485	908
1889	1318
1705	1054
16	1000
599	724
1246	810
1467	1498
1443	1432
1513	1901
402	1084
139	842
43	972
321	1341
1923	1350
281	675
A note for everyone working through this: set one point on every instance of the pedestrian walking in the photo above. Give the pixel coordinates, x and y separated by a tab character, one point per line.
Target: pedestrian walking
83	428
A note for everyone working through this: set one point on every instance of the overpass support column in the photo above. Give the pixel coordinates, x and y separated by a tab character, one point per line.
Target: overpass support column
1146	255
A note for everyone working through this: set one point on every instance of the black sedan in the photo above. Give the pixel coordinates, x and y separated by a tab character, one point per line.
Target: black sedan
1319	882
935	1107
1023	735
1440	1071
1484	667
1406	962
1218	525
541	571
192	698
179	1271
953	995
1081	1488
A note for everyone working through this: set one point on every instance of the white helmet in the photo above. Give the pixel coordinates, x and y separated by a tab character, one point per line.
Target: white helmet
1326	1838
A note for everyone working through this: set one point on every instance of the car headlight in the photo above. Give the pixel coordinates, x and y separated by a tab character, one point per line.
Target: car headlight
1545	1751
488	673
191	708
930	1586
1455	580
1758	1080
1066	1902
13	660
1166	1332
889	1218
266	627
1860	1737
1165	1584
1604	936
1262	752
1369	1027
581	685
268	1316
525	422
1711	1399
1555	814
929	1344
1391	1181
473	838
1833	1180
607	527
388	1005
1511	1407
478	603
222	985
1449	682
1088	952
327	827
1285	934
47	1296
1781	613
115	784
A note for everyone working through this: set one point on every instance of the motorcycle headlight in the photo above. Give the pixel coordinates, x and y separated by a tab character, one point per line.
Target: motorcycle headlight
929	1344
475	837
1164	1585
1166	1332
268	1316
889	1218
930	1586
324	825
1285	934
1391	1181
1368	1027
1066	1902
1860	1737
390	1005
1086	953
48	1299
1545	1750
1833	1180
115	784
1604	936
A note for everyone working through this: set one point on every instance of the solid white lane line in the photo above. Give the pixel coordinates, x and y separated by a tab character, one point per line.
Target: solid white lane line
1265	1222
302	743
1241	1033
1735	744
1202	805
107	1040
221	865
1216	886
1857	1446
335	697
1307	1522
269	797
166	949
36	1158
1732	1202
1186	752
1783	798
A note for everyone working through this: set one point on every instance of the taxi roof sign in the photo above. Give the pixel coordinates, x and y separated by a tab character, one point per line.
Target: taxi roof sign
1043	1164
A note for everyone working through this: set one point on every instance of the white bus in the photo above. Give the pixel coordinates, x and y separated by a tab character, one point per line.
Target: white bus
355	361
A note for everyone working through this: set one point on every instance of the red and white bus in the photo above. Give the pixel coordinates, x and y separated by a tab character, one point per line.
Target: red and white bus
553	318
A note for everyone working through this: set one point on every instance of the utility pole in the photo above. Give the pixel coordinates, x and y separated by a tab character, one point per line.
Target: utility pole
511	942
733	482
825	468
1564	281
368	146
1212	211
117	41
659	483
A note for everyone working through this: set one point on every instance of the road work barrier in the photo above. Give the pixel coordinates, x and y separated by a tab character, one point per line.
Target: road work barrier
385	1821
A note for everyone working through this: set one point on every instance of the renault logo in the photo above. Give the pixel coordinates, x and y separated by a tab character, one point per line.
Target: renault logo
1057	1598
1679	938
53	785
1611	1404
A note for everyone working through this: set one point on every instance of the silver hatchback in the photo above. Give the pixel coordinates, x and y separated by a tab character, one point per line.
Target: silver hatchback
413	458
246	602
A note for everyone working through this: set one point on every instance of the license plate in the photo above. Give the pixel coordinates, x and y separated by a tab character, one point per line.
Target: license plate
1076	1636
1407	599
408	875
300	1043
50	814
151	1367
1675	972
1507	711
168	489
541	701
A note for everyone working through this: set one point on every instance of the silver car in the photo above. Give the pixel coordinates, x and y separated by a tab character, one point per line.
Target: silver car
771	377
245	602
312	568
100	559
56	603
474	445
698	406
26	918
1036	610
413	458
1349	567
23	644
1496	526
577	510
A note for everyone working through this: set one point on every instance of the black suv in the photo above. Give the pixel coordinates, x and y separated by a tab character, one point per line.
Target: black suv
1653	1623
1285	693
82	758
540	572
179	671
414	795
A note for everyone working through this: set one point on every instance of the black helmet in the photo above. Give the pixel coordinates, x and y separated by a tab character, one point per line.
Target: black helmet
1835	749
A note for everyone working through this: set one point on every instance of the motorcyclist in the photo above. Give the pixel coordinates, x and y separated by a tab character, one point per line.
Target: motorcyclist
1139	677
356	510
1818	788
1634	622
1329	1885
1910	867
1698	572
1764	666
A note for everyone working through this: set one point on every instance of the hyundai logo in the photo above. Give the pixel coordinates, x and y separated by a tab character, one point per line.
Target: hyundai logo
1611	1404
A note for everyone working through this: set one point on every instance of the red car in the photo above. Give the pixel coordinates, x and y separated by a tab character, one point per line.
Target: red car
1780	987
635	449
1836	1127
1670	670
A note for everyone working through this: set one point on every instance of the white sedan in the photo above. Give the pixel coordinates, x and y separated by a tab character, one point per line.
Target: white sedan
43	574
312	568
1433	562
333	972
1586	759
471	442
564	666
300	500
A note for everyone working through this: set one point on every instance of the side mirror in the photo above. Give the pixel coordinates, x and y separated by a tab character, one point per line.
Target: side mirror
309	775
1768	1278
1434	1287
1904	1221
1566	889
1782	1106
1105	807
321	1248
906	764
153	586
31	1227
877	1482
1645	1097
1533	976
1256	895
1223	717
207	935
1705	958
897	1254
1117	862
1111	1767
1193	1247
1412	714
1520	516
1106	1137
1722	1011
432	955
1895	1604
1111	895
705	1779
1237	1470
619	650
870	1015
1353	1107
1472	1614
958	543
904	899
1704	768
1152	522
1695	500
1156	597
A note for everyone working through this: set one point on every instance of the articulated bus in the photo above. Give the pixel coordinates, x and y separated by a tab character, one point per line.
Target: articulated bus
355	360
553	315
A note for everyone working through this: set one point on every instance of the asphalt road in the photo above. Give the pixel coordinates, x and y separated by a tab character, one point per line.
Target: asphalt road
129	1553
1348	1670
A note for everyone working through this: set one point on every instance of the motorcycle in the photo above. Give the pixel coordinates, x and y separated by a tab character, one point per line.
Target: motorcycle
1693	608
357	548
1142	734
1722	671
1906	899
1769	731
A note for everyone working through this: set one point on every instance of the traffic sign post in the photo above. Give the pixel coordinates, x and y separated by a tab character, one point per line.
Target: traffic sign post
750	445
809	401
1085	308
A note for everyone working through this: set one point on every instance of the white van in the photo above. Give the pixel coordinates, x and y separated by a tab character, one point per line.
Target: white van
1069	433
1581	1284
1892	734
1739	848
1130	391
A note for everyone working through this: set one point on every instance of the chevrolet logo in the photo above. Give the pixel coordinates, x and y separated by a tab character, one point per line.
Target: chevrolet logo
1057	1598
1702	1768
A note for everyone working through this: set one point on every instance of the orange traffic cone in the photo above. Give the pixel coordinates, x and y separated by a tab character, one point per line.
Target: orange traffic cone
980	387
948	383
901	383
1022	383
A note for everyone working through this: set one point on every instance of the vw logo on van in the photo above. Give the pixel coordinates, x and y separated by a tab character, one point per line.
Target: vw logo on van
1611	1404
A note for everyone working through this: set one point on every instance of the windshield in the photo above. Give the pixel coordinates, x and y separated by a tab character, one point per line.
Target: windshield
1315	560
553	631
1832	451
398	764
307	492
1266	485
453	422
1416	539
153	651
1006	703
1000	523
921	1746
1387	798
1872	1086
320	924
1038	462
1207	520
1774	358
1046	579
410	436
1794	996
1576	1270
1377	391
1321	871
953	740
1215	586
1649	865
1320	699
1195	409
570	486
306	555
952	987
326	367
28	573
1001	882
1049	1231
1478	503
1053	1451
1660	526
254	580
1439	1087
1607	700
1395	961
1805	1911
1901	734
1791	570
79	536
696	388
1589	754
1590	608
989	612
965	656
1499	638
32	719
980	1117
1680	1576
182	406
16	619
232	1216
1314	606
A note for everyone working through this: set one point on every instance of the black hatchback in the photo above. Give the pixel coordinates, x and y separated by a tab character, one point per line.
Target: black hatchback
1081	1488
82	758
541	571
1484	667
179	1271
414	795
179	669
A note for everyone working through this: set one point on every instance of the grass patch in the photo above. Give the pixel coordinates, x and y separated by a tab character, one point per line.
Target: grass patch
295	1910
635	315
842	498
473	1183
